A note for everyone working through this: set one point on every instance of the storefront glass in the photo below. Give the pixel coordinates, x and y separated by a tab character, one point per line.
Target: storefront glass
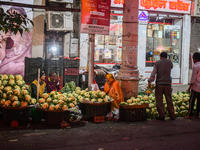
108	47
163	38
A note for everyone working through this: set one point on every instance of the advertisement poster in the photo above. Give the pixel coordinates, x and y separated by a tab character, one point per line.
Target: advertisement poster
107	54
95	16
16	47
96	54
119	54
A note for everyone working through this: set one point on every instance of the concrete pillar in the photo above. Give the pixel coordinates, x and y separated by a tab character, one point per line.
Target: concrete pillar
128	75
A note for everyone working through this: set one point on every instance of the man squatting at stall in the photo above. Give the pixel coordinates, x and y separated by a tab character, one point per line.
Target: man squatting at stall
42	86
162	69
52	83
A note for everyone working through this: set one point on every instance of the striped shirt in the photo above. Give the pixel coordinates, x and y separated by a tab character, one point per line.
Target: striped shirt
195	79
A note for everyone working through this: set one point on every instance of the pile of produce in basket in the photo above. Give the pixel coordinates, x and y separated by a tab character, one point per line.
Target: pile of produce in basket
69	87
57	101
14	92
180	101
85	96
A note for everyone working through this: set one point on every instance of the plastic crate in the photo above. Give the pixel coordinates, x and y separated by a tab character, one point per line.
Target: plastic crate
90	110
32	70
20	115
69	63
33	62
71	71
71	78
129	114
56	70
55	118
54	63
30	79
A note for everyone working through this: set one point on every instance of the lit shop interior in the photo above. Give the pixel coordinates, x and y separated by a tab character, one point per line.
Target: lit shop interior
161	35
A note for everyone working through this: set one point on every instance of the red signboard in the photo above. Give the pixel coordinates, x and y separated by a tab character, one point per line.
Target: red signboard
95	16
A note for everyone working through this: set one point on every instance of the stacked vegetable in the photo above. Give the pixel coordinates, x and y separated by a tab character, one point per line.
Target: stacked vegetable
69	87
180	101
91	96
14	92
57	101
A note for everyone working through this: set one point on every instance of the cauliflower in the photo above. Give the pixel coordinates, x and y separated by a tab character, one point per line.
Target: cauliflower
16	104
71	105
151	105
16	92
93	100
28	98
33	101
57	107
106	99
11	82
146	97
4	96
78	89
61	102
139	96
24	92
7	103
41	100
55	101
45	95
14	98
129	101
48	100
5	77
45	105
24	103
100	100
18	77
102	94
51	107
64	107
1	87
2	102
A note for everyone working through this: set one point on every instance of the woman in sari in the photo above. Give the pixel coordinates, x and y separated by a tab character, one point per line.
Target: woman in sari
113	88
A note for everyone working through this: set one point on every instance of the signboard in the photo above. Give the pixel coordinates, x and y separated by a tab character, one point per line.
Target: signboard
117	3
95	16
143	17
175	6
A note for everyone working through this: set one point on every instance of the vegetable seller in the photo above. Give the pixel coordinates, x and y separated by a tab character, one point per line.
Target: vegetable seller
52	83
42	86
113	88
162	71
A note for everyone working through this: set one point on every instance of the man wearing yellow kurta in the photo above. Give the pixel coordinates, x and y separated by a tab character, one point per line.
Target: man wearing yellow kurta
113	88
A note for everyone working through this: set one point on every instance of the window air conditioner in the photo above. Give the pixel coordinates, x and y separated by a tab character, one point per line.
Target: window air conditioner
59	21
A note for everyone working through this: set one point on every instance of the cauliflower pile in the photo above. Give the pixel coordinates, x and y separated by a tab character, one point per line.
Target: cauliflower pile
180	101
14	92
91	96
57	101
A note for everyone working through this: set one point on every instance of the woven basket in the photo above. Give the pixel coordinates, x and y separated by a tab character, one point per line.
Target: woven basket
55	117
133	112
20	114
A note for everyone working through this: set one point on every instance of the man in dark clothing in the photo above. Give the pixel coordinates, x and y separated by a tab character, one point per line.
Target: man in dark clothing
52	82
162	69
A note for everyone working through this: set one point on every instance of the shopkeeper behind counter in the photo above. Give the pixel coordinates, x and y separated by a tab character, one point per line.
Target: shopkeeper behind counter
42	86
52	83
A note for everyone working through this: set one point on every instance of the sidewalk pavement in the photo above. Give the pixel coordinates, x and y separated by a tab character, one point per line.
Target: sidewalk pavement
180	134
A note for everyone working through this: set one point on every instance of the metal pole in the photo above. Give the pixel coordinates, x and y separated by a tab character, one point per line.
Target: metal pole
91	61
38	84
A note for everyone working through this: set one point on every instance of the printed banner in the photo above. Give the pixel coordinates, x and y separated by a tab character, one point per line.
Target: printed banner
95	16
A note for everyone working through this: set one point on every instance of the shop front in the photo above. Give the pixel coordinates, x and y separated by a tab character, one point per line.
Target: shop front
166	28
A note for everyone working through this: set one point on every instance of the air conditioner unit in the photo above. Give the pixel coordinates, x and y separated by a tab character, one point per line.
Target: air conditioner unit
59	21
62	1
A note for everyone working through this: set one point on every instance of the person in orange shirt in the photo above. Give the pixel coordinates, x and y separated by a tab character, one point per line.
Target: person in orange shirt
113	89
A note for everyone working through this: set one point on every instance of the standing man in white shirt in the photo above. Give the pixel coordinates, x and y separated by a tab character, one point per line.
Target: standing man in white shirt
195	87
